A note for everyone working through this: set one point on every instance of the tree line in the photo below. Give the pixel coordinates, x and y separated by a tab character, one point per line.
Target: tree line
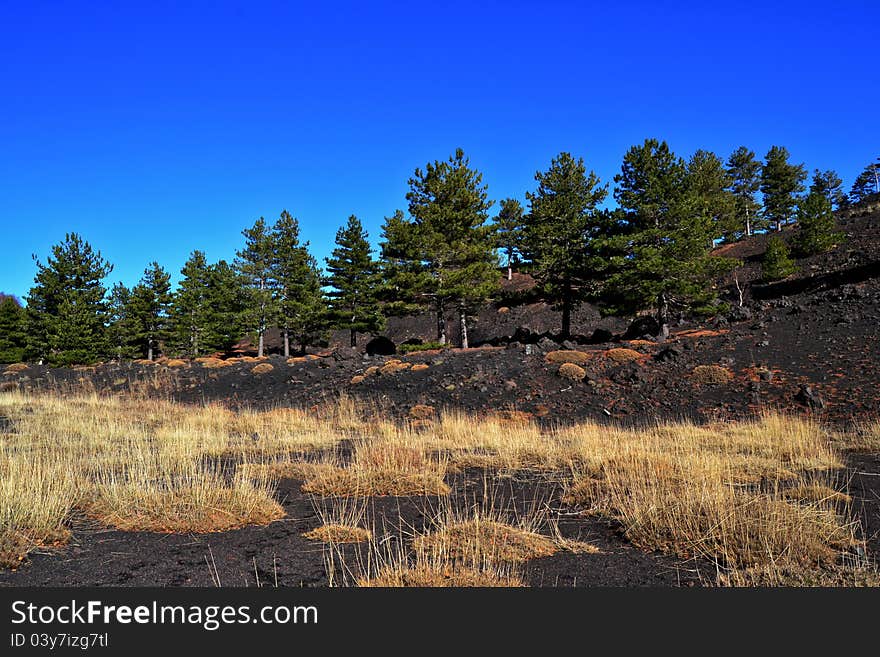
653	251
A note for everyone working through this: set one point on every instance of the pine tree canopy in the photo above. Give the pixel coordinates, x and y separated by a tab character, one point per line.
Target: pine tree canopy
829	185
866	184
744	173
661	249
709	182
559	231
353	275
781	183
66	307
508	231
817	227
13	329
255	263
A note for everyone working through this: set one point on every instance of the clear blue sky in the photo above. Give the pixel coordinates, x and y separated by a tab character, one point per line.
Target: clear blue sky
168	127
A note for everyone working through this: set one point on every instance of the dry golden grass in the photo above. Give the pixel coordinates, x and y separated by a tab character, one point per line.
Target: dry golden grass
16	367
567	356
760	498
357	379
213	363
422	412
572	372
339	534
380	467
480	538
393	366
420	367
711	374
262	368
427	575
623	355
175	362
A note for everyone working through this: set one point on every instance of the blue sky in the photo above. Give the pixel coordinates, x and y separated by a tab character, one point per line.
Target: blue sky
157	129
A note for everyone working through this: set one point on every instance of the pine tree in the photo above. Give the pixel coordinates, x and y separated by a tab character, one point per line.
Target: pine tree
300	299
66	307
309	321
709	181
228	302
559	231
449	206
829	185
353	275
150	302
781	183
404	275
744	172
866	184
777	263
662	256
121	330
255	264
817	228
508	232
13	329
190	308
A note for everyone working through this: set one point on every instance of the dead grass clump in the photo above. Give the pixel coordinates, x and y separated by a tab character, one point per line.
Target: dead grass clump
567	356
339	534
814	492
393	366
711	375
380	467
16	367
357	379
482	540
213	363
144	361
623	355
262	368
512	416
572	372
175	362
371	371
419	367
449	575
422	412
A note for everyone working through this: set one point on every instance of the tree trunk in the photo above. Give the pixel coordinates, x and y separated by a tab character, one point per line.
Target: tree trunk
260	347
150	350
441	322
748	224
566	310
286	343
663	317
462	318
354	338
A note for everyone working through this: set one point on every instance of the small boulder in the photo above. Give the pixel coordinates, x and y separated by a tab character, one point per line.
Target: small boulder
809	397
381	346
601	335
642	326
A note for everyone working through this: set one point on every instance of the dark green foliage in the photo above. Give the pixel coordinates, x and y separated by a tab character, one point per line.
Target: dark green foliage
353	276
302	309
560	230
662	258
744	172
148	311
407	348
866	184
120	328
708	181
13	330
829	185
67	311
227	299
777	263
508	232
255	263
781	183
449	207
817	228
190	308
404	275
